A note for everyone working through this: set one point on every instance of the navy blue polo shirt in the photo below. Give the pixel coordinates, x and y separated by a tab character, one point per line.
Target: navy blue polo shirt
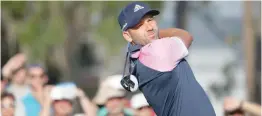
167	81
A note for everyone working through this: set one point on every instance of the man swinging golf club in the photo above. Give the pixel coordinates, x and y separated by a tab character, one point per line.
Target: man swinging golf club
158	67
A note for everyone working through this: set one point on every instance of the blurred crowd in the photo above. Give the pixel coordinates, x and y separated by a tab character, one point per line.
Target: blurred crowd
25	92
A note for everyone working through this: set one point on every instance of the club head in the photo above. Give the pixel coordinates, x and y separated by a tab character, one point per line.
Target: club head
130	83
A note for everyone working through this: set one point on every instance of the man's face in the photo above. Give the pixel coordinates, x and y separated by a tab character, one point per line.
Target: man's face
7	106
126	102
63	107
37	77
115	105
144	32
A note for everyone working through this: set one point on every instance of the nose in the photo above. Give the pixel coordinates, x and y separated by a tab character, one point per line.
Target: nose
149	27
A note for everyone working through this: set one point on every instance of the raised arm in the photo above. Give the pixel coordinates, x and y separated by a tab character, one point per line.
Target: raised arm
232	104
252	108
182	34
46	106
89	108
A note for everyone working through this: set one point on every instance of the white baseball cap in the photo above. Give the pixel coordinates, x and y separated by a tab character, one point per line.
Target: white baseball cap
64	91
138	101
109	88
114	81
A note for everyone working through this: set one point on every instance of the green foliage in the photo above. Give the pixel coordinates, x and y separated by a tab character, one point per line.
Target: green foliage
15	8
44	26
111	34
39	32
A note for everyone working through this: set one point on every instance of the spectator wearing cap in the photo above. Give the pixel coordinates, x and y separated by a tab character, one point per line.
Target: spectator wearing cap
15	72
61	99
37	79
7	104
140	104
112	95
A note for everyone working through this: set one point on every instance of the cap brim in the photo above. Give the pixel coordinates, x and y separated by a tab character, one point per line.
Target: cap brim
149	12
152	12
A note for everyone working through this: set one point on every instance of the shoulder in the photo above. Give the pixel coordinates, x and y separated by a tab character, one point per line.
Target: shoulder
164	42
172	40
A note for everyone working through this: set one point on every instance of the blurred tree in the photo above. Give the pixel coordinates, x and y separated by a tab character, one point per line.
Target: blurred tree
257	32
249	46
221	90
9	46
64	34
258	70
4	45
181	14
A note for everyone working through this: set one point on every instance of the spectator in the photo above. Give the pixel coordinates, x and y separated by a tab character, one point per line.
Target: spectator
234	107
37	79
111	95
15	71
61	98
7	104
140	104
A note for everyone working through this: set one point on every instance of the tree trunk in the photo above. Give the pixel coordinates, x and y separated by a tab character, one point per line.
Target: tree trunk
249	47
9	45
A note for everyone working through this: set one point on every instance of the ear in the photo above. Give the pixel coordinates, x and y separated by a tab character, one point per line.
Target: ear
127	36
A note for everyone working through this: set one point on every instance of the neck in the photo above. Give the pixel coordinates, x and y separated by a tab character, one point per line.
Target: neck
134	48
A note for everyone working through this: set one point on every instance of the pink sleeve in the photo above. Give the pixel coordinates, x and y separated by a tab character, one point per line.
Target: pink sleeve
163	54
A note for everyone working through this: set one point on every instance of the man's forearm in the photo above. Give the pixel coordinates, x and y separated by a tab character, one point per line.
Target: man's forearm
251	108
88	107
184	35
46	109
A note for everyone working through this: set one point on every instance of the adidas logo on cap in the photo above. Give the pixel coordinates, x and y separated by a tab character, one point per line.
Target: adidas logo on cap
138	7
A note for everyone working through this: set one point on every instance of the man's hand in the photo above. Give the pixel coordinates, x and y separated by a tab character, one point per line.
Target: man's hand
47	94
47	102
13	63
171	32
89	108
80	93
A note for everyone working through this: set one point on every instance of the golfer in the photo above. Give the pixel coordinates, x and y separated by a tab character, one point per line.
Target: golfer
163	75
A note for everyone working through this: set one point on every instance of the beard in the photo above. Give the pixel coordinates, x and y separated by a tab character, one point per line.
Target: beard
155	33
151	36
144	38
